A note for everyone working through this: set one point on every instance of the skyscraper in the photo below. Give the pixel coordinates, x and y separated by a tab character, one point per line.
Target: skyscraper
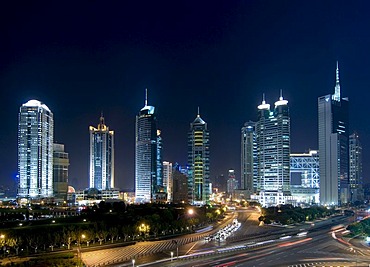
333	147
35	150
168	179
273	153
248	172
198	161
60	172
101	157
146	154
355	168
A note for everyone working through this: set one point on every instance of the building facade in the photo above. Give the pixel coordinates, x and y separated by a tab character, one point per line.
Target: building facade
248	174
273	153
101	157
35	151
146	155
60	172
304	169
333	147
167	180
355	168
199	163
304	177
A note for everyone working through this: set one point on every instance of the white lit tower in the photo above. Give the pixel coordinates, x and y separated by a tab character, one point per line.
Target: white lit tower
273	153
146	154
198	161
333	147
101	156
35	151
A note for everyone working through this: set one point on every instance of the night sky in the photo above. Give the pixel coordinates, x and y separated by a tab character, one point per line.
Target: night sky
82	58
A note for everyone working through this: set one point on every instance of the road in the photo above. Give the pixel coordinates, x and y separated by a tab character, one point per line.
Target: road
250	245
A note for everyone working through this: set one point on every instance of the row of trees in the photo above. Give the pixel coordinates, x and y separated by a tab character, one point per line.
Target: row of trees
288	214
102	224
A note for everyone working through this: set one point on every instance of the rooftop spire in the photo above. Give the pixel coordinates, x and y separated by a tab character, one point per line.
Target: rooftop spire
281	94
336	95
146	96
198	112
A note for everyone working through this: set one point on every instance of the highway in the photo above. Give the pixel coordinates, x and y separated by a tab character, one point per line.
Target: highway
250	245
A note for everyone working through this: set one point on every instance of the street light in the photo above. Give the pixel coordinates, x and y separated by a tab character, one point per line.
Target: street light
171	255
133	262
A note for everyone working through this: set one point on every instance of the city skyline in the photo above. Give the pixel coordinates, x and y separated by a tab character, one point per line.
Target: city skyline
222	58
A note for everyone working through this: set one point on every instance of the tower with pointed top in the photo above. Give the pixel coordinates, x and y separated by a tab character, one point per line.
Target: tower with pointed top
333	125
101	156
35	151
198	161
273	153
148	145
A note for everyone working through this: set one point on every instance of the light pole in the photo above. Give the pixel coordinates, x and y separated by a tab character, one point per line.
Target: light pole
133	262
171	255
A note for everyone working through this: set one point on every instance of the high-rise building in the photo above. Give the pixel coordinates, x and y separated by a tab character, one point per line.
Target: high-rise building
35	150
101	157
248	172
146	155
198	161
355	168
232	183
180	185
167	180
60	172
333	147
159	160
273	153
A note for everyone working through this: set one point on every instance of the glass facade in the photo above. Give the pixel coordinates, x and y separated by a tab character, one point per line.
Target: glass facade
101	157
60	172
198	161
355	168
248	172
333	147
35	150
146	155
273	153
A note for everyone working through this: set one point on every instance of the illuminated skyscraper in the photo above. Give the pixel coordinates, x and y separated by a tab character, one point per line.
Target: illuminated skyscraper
248	172
146	155
355	168
60	172
198	161
35	150
273	153
101	157
333	147
168	179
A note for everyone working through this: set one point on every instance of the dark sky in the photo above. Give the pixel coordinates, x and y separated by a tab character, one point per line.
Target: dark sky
82	58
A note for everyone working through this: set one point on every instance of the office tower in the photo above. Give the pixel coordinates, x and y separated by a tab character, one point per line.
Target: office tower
159	161
232	183
273	153
248	172
198	160
333	147
304	169
101	157
355	168
167	179
180	184
146	149
60	172
35	150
